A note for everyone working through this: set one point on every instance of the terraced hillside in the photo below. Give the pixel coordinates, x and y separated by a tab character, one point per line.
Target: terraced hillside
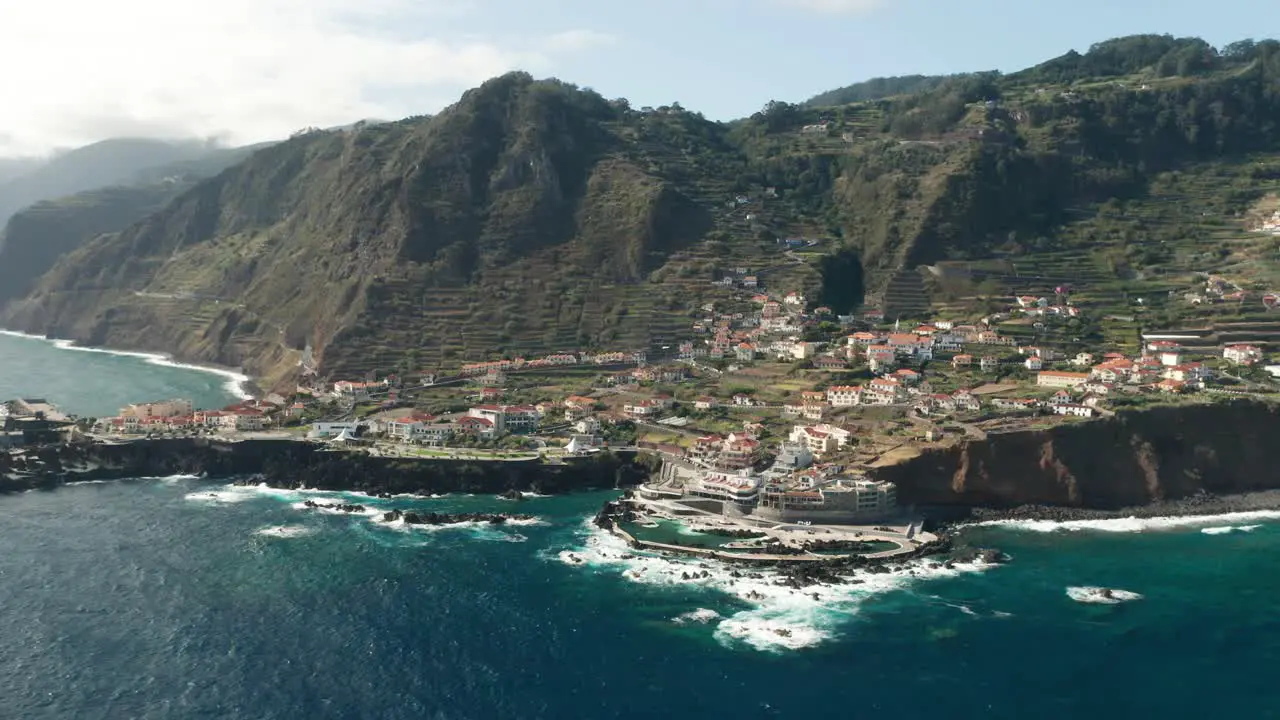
536	217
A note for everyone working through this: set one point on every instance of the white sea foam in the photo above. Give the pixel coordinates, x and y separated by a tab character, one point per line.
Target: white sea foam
221	496
701	616
1229	529
285	531
1101	596
474	525
172	479
232	493
781	617
235	384
369	512
1133	524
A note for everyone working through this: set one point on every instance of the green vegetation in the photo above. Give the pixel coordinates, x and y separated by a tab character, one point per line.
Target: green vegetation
139	177
533	216
876	89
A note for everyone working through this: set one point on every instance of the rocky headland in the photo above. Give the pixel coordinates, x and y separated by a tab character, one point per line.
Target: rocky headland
293	464
1185	460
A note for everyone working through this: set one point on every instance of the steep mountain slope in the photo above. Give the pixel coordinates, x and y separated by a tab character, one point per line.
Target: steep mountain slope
35	237
535	217
341	240
109	162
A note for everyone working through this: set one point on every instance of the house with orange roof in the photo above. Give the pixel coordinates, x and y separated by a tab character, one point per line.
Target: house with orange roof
881	356
844	395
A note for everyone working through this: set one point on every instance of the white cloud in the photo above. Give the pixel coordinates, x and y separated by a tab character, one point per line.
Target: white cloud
833	7
244	70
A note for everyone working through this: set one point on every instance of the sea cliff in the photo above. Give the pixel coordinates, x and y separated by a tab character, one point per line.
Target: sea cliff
1134	459
289	463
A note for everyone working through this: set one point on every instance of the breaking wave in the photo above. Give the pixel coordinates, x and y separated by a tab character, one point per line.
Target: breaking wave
1132	524
1229	529
778	617
1101	596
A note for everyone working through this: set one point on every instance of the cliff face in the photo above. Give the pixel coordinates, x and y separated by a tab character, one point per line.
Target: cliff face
285	463
391	245
1129	460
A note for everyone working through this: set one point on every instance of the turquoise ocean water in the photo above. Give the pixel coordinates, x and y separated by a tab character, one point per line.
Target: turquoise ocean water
92	383
190	598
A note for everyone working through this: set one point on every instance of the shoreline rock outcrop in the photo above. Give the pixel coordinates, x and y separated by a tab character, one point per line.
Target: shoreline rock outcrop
294	464
412	517
1157	458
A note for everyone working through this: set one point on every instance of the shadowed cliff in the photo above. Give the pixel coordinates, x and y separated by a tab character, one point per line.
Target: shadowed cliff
1132	459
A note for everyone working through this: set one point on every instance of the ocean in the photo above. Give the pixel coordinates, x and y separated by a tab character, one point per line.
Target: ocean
96	383
194	598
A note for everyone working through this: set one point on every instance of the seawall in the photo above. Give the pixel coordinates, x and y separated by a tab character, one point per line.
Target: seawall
291	463
1137	458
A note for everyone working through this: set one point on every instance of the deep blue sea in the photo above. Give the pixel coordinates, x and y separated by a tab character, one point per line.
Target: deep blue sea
191	598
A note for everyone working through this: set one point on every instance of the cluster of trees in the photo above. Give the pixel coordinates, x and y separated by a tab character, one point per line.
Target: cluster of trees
937	111
877	89
1152	129
1166	55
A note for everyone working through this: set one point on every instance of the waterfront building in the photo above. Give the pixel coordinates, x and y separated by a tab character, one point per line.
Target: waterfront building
740	488
320	429
408	428
844	500
792	456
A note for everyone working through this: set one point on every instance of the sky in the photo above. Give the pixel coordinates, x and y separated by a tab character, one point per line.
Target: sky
242	71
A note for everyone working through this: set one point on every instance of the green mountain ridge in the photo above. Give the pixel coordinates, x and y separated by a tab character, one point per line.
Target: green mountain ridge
36	237
532	216
109	162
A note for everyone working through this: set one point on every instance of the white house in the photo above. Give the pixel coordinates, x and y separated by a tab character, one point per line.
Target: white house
332	429
820	439
966	401
406	428
844	395
1059	379
1072	409
1242	354
884	391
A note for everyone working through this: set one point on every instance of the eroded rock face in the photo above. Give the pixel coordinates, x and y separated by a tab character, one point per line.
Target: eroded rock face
1133	459
292	464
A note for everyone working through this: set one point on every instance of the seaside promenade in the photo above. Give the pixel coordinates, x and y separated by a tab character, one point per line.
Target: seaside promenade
906	541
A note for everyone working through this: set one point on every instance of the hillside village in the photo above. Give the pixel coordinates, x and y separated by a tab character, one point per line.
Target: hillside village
769	399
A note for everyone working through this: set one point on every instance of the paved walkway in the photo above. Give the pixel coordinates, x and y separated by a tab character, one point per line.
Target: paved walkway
790	533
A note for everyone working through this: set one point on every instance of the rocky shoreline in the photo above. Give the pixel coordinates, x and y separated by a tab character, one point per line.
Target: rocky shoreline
294	464
833	571
1197	505
411	517
414	517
